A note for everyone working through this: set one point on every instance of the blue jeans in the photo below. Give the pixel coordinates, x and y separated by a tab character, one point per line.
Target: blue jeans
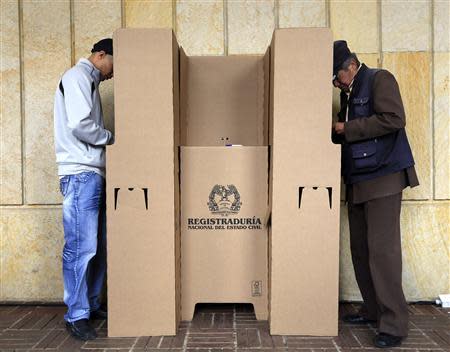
84	253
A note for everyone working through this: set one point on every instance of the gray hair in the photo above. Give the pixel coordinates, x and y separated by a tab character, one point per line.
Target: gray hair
350	59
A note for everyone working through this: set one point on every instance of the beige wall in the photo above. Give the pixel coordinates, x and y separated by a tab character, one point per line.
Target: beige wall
41	39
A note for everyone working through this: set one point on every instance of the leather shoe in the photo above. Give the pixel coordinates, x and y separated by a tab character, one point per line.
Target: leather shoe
383	340
99	314
356	319
81	330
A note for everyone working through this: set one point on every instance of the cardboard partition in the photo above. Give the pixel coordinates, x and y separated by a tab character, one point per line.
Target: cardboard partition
142	186
224	254
305	186
223	100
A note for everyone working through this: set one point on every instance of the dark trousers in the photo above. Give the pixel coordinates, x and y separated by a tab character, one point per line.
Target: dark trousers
377	259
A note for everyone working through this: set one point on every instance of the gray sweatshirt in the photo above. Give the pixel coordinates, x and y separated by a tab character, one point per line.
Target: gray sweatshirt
80	136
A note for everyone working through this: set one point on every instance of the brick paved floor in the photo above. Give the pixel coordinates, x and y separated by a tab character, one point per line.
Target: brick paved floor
214	328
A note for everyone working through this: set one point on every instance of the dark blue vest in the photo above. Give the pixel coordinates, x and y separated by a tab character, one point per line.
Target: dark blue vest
372	158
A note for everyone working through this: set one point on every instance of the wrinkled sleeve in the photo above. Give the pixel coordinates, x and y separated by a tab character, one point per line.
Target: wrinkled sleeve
389	113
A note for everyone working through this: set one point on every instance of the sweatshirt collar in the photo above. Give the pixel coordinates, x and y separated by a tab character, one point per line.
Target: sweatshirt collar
93	71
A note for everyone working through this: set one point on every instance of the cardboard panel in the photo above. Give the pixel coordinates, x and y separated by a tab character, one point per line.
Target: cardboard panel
305	188
176	114
224	250
223	101
141	192
144	81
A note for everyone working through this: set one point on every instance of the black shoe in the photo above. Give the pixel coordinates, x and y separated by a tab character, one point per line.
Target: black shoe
356	319
383	340
81	330
99	314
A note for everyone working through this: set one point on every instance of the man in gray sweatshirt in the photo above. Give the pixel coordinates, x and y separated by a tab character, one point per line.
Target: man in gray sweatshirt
80	140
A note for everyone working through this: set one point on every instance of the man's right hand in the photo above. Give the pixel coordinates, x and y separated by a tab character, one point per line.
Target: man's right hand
339	127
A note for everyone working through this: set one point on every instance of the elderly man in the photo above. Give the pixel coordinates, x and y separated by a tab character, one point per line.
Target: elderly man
80	140
377	164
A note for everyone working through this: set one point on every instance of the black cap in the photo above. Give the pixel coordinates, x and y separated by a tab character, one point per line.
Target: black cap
105	45
341	52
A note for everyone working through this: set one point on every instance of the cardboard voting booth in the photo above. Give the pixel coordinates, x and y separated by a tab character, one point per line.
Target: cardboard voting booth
206	148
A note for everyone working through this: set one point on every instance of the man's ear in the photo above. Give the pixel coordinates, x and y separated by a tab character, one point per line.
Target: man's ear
101	54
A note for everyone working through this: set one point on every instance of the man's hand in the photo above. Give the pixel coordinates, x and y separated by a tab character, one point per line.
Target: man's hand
339	127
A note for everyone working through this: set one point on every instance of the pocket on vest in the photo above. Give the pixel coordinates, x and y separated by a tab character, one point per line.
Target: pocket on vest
364	155
361	107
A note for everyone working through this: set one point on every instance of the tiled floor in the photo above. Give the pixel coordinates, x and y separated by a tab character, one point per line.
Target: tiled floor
214	328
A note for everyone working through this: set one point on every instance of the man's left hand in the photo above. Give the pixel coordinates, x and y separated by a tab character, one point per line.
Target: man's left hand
339	127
